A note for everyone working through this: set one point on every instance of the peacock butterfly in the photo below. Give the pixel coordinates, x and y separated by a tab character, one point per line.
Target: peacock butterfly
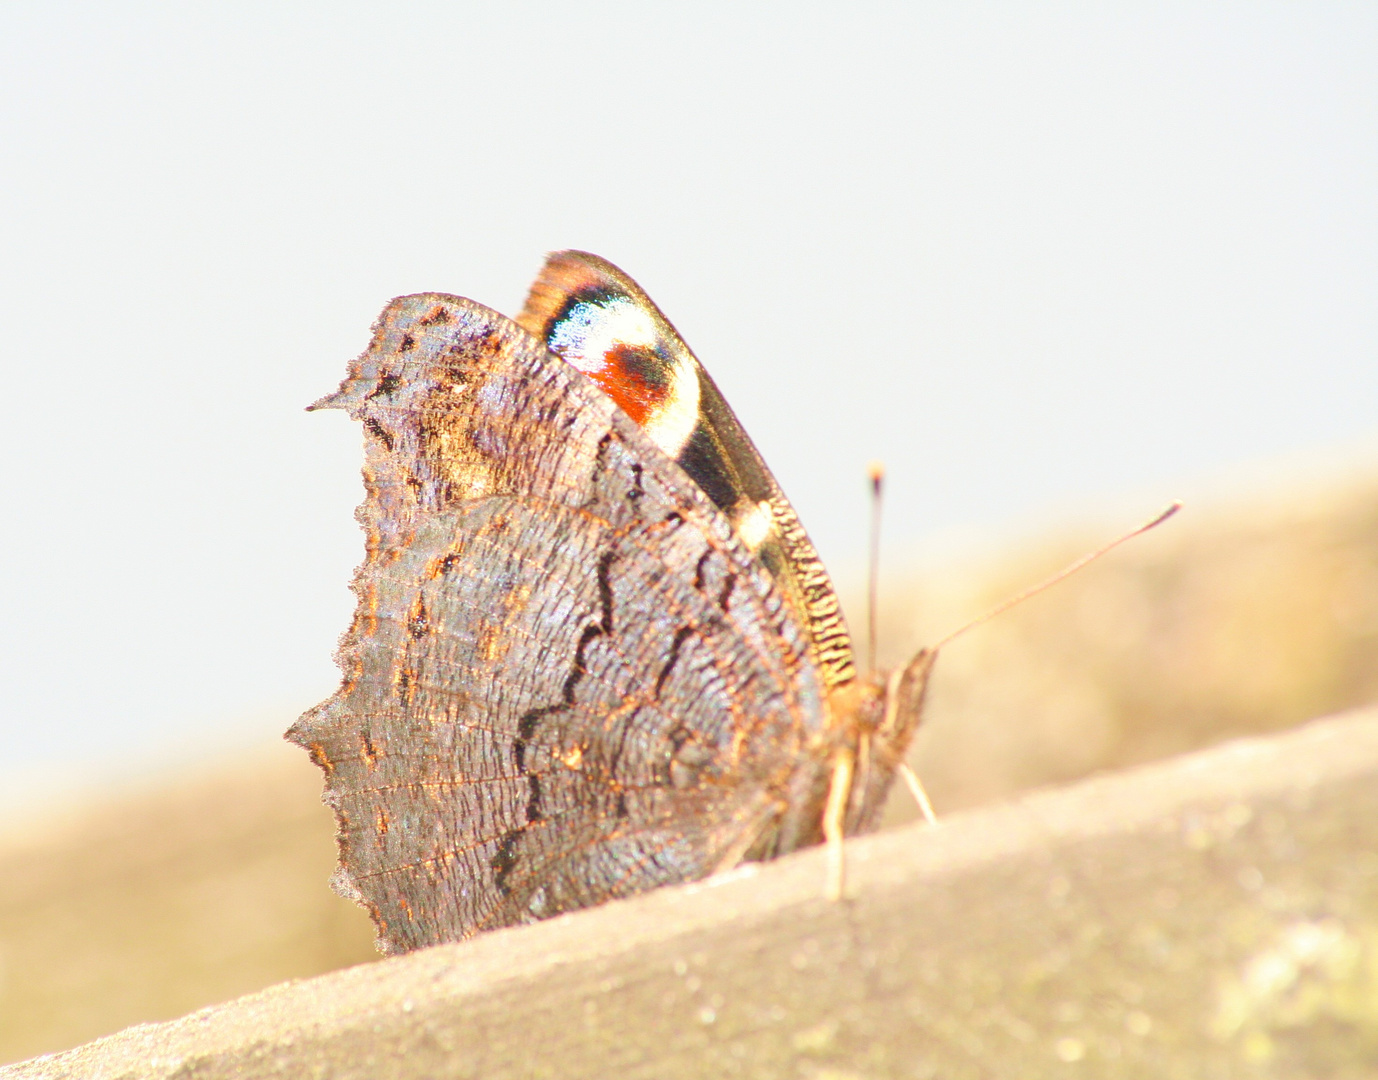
594	650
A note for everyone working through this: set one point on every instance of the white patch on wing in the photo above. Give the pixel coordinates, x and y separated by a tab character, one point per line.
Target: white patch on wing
590	331
671	425
753	525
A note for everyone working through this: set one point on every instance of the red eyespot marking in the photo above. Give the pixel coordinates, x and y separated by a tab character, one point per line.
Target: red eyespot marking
631	375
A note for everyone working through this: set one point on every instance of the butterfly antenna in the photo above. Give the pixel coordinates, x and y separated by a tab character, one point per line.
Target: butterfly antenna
876	471
1034	590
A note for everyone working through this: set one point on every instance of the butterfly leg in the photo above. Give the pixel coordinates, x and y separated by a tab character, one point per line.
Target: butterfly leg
834	814
915	786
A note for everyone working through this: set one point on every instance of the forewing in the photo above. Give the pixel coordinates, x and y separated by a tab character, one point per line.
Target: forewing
566	679
598	319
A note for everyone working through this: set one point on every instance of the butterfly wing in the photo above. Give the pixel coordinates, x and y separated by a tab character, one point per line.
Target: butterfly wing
597	318
567	678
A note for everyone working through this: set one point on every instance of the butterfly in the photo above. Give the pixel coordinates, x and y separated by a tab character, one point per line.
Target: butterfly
594	651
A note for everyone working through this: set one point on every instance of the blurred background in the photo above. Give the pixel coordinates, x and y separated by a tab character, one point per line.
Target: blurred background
1054	264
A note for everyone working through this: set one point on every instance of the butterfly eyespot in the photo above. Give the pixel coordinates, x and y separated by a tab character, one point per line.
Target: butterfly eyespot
407	344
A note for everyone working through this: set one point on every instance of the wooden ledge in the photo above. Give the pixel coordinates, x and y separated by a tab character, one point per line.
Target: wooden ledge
1214	915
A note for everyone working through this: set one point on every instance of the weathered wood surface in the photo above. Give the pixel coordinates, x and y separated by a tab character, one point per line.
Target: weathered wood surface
1212	916
179	892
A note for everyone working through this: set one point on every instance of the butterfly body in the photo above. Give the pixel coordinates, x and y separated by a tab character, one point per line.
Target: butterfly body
572	675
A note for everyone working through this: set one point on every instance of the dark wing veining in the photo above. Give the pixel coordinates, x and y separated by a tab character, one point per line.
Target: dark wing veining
567	680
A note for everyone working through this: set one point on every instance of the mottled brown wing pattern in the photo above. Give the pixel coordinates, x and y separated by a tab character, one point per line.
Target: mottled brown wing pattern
566	680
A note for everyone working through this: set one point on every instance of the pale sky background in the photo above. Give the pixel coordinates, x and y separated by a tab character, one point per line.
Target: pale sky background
1042	259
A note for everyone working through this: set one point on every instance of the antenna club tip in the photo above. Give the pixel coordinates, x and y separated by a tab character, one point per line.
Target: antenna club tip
1171	509
875	470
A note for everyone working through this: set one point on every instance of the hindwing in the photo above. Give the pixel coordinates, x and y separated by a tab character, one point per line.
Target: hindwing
568	679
